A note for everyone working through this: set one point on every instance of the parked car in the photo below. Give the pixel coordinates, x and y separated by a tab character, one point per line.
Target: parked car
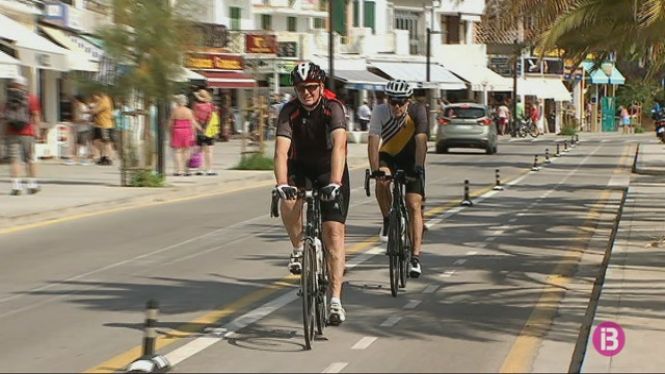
466	125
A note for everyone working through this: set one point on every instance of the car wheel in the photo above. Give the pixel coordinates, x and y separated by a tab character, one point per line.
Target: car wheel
488	150
440	148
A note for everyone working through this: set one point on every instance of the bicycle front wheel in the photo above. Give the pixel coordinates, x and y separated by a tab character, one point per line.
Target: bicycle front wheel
394	251
405	257
533	130
321	297
308	288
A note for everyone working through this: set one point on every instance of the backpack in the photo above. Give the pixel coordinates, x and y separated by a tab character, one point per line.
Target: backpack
17	113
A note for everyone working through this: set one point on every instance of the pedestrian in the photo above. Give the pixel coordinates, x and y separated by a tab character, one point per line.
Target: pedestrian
364	115
103	120
182	127
624	119
21	114
503	114
203	113
82	149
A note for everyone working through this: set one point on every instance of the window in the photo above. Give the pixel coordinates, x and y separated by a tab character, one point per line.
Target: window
318	23
356	13
291	24
235	18
266	22
405	20
451	28
369	15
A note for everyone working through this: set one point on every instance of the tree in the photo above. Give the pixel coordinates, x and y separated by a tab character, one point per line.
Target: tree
148	40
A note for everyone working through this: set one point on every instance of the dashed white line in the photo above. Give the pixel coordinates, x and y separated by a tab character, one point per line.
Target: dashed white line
448	273
364	342
498	232
512	220
335	367
412	304
461	261
491	239
431	288
391	321
471	253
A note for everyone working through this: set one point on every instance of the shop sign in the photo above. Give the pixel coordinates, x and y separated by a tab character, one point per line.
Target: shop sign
532	65
260	43
287	49
536	65
214	62
55	13
553	66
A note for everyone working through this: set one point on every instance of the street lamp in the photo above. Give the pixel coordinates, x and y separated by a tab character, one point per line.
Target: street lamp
435	3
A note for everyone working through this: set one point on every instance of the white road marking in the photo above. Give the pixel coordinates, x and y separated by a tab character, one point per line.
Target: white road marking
201	343
433	222
461	261
412	304
471	253
431	288
391	321
364	342
448	273
335	367
498	232
512	220
490	239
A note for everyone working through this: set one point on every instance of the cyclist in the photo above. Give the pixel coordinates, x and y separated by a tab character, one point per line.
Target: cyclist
311	144
398	140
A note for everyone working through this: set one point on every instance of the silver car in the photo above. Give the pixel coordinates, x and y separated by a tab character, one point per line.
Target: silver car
466	125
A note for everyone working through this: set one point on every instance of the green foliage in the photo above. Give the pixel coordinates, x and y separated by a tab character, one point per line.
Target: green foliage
568	131
639	129
146	178
643	91
256	161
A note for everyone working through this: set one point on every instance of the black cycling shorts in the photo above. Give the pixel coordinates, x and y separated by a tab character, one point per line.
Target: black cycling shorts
405	162
298	176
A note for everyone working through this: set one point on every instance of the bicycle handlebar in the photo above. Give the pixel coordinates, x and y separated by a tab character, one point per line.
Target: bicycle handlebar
302	193
400	176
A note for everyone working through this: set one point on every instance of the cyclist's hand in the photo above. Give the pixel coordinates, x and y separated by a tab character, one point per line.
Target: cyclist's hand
378	174
330	192
286	192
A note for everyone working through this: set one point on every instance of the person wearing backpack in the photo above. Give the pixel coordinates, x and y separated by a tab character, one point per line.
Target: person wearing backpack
21	114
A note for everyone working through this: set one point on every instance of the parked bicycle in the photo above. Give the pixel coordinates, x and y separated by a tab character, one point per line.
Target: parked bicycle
314	277
399	236
526	127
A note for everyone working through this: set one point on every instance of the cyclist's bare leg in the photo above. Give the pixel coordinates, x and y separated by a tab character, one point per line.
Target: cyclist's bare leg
413	204
291	212
333	238
383	194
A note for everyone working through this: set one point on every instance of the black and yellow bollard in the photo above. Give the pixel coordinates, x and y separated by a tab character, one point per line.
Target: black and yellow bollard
565	146
547	156
497	186
467	199
558	153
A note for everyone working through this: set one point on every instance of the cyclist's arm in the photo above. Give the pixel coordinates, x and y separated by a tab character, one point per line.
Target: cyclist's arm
338	155
422	133
421	149
374	139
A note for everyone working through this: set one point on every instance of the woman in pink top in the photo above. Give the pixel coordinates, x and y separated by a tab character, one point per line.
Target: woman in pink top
182	125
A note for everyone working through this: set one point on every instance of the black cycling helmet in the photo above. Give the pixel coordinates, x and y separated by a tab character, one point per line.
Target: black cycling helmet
307	72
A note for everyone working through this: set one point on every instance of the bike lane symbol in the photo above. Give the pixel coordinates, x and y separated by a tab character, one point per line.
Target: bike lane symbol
609	338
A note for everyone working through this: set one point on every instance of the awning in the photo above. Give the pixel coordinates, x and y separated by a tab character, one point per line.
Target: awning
481	77
33	50
598	76
185	75
361	80
77	58
543	88
228	79
8	67
416	73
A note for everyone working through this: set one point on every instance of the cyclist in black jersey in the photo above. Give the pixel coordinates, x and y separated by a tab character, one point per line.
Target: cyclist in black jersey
311	145
398	140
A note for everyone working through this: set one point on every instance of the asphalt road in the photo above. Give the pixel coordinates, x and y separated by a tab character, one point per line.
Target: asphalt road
505	283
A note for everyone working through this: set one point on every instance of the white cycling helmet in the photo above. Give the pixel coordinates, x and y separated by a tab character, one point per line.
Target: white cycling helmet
399	88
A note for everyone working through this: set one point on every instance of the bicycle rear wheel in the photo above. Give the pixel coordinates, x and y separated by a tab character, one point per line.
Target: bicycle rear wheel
308	288
533	130
394	251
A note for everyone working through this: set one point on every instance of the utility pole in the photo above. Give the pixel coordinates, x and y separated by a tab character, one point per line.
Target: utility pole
429	52
331	47
514	108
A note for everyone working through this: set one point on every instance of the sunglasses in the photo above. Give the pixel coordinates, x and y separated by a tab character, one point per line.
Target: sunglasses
398	102
309	87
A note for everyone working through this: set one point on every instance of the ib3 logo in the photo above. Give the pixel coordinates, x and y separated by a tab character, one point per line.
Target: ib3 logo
609	339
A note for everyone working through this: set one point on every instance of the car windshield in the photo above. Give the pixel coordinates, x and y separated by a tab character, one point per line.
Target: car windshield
465	113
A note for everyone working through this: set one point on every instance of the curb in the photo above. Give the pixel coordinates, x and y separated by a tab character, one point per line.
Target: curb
159	196
637	169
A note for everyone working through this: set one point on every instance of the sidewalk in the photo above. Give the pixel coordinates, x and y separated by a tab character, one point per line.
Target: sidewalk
68	190
633	294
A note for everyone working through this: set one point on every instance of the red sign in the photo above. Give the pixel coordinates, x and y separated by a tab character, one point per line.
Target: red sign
205	61
259	43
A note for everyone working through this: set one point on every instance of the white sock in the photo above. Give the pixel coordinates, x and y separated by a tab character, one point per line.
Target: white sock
32	182
298	248
16	184
335	300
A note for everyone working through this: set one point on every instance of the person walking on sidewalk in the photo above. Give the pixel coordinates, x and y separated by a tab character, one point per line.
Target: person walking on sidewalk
364	114
103	119
21	115
203	112
83	130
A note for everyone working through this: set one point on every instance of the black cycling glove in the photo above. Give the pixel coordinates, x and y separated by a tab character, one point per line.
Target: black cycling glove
286	192
330	192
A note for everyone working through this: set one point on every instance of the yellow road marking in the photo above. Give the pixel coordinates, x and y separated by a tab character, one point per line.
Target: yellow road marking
186	330
526	345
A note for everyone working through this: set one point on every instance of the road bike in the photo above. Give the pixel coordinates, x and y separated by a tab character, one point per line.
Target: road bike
526	127
399	234
314	277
